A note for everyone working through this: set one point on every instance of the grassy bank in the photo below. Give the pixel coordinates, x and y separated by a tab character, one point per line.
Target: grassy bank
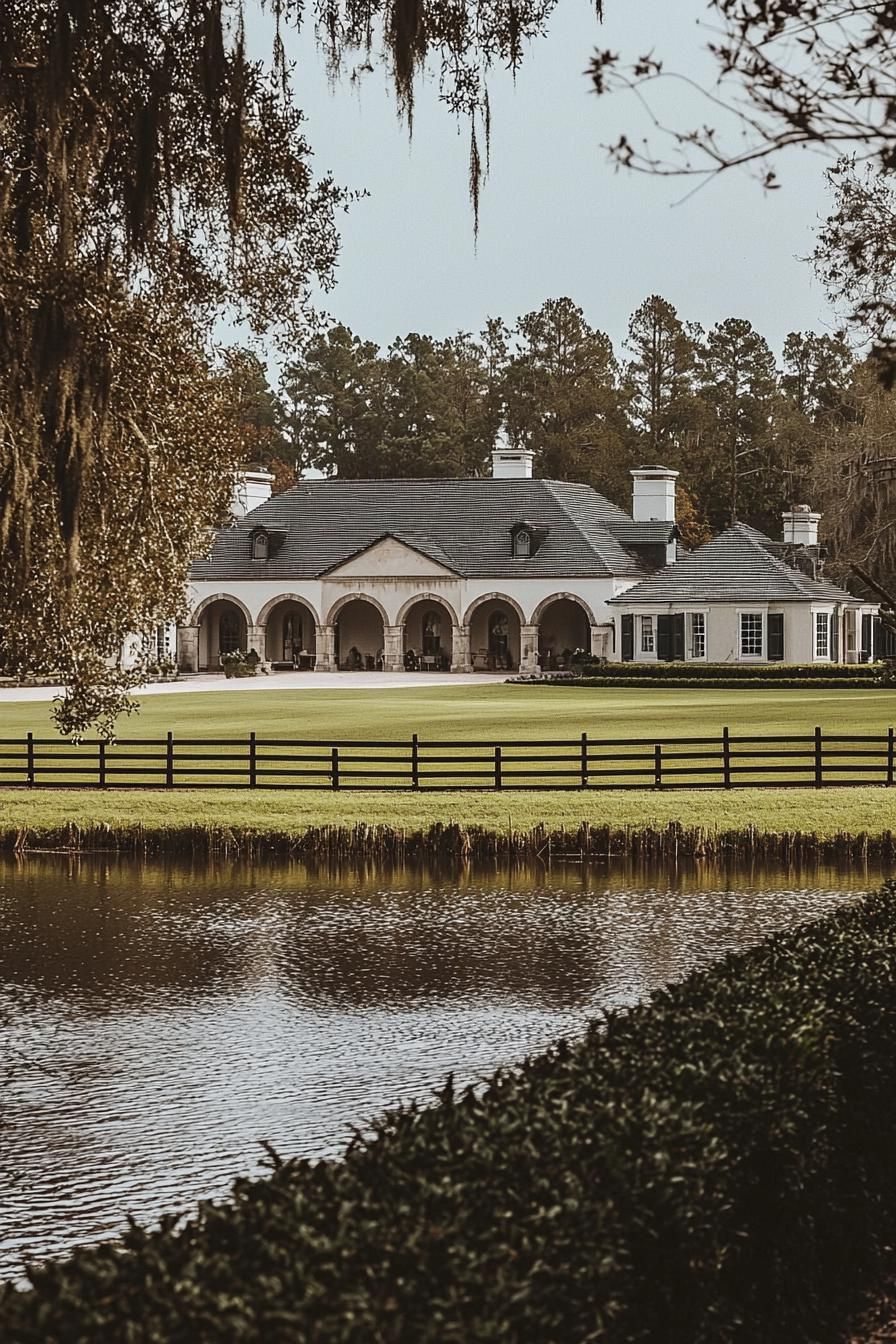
749	820
825	812
495	713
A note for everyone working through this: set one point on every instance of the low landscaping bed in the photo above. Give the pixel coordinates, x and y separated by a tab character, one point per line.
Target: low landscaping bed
717	1165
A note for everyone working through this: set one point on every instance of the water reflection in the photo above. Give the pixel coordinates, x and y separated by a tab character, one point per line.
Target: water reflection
161	1020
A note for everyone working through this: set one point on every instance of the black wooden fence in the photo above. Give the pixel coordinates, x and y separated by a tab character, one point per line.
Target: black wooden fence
584	762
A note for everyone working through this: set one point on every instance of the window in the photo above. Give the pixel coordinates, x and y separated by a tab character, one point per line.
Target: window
698	634
822	634
751	634
647	635
260	546
229	630
522	545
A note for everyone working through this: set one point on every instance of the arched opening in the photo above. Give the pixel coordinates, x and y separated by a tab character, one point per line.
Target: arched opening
428	636
359	637
564	629
290	635
222	629
495	637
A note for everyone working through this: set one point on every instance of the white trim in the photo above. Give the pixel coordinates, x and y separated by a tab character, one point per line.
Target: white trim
829	612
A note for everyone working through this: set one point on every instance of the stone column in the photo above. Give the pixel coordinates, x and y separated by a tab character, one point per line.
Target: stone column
188	648
528	648
599	636
325	648
393	652
460	649
255	636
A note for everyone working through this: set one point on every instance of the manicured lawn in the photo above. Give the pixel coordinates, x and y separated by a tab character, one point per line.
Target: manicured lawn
497	713
823	812
487	713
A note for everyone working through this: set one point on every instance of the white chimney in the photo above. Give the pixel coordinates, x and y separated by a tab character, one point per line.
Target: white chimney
250	488
801	526
510	463
653	494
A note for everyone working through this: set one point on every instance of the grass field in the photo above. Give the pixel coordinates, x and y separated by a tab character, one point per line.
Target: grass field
498	713
825	813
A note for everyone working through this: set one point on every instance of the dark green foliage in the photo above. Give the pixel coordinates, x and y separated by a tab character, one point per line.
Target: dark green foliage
718	1165
752	674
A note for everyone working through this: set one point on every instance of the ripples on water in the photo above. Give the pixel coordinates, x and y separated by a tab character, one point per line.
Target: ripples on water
159	1022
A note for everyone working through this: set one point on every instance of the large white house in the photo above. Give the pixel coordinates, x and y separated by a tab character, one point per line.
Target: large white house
505	573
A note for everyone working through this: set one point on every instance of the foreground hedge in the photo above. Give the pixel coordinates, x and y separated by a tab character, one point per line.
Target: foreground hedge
718	1165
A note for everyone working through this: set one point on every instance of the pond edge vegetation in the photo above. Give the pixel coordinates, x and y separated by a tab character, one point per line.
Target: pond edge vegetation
452	843
716	1164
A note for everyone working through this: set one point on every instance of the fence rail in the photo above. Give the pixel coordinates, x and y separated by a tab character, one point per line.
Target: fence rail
584	762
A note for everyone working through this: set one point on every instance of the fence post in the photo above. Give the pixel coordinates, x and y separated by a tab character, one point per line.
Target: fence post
29	761
169	762
818	779
497	767
334	767
584	760
726	758
891	754
253	764
658	766
415	762
101	764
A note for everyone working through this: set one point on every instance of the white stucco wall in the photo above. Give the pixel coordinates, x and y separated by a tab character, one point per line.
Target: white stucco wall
723	644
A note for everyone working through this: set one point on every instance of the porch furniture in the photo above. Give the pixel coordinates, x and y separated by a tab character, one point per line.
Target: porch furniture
480	660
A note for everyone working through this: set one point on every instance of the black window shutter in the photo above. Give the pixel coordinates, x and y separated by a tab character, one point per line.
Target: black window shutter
776	637
835	637
664	638
678	638
865	654
628	638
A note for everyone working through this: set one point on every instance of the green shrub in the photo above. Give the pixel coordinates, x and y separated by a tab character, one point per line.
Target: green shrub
773	672
716	1166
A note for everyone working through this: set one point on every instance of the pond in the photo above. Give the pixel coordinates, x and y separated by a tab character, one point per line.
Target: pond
159	1022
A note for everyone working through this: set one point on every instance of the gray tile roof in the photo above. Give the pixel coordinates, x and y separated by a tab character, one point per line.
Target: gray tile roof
461	524
739	565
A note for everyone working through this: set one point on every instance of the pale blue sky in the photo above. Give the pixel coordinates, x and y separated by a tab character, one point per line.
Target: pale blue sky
556	217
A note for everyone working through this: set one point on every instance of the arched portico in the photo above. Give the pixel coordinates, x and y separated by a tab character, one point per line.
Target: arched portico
497	633
564	623
360	634
290	624
224	624
428	624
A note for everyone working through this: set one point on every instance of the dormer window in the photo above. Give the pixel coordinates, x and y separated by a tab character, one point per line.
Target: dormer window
526	539
522	545
260	546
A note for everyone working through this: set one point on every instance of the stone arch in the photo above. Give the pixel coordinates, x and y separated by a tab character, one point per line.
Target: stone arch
356	597
564	624
426	597
562	597
221	597
287	630
417	649
494	597
286	597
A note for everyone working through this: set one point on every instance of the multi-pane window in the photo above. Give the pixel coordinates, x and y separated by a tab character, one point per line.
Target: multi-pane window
522	545
751	634
698	634
822	634
647	635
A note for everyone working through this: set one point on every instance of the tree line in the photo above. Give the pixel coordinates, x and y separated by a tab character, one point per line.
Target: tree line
750	434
